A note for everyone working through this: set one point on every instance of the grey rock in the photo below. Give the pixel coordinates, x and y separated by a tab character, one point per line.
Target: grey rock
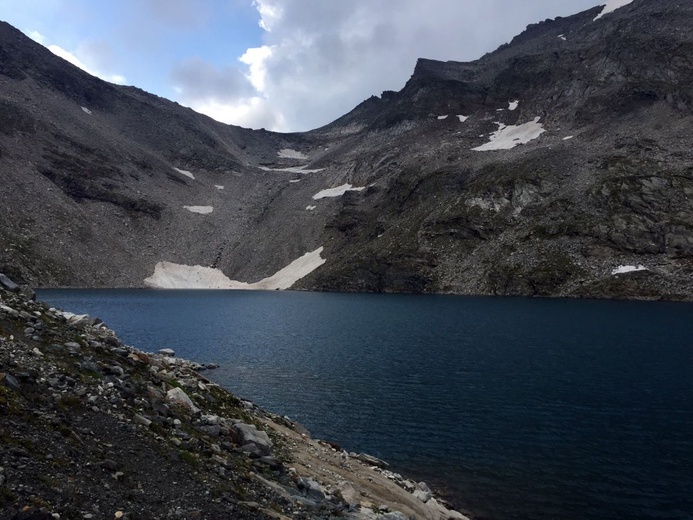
9	381
424	496
369	459
311	489
8	284
178	396
167	352
140	419
212	430
252	440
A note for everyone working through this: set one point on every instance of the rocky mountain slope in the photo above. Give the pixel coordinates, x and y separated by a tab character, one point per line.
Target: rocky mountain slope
560	164
93	428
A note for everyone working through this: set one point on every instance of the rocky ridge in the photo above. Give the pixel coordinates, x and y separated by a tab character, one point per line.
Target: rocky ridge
546	168
91	428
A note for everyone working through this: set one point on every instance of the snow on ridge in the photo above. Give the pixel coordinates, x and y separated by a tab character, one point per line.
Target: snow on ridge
202	210
291	169
512	105
86	110
288	153
507	137
442	117
168	275
621	269
462	118
336	192
611	6
185	172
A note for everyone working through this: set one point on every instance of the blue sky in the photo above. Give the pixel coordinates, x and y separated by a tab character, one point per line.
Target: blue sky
286	65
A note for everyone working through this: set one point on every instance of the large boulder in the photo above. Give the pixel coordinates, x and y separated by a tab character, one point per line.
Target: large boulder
253	441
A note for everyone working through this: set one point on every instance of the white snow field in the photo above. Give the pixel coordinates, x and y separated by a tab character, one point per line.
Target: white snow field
462	118
512	105
336	192
611	6
168	275
507	137
621	269
185	172
288	153
202	210
292	169
86	110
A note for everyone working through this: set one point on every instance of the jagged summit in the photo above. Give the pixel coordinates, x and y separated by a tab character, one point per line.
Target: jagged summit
541	168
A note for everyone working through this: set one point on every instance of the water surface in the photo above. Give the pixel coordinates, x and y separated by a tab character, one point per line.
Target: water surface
517	408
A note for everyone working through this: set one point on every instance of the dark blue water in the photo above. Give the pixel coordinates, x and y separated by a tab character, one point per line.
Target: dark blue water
517	408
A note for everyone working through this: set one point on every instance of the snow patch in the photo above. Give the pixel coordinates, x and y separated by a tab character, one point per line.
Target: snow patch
295	180
442	117
562	37
292	169
611	6
507	137
568	137
219	186
185	172
628	269
202	210
462	118
288	153
512	105
336	192
86	110
310	208
168	275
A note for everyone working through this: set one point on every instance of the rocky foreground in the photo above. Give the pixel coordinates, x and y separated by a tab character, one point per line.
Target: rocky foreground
91	428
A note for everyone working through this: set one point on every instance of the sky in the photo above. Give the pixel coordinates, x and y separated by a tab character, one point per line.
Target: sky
283	65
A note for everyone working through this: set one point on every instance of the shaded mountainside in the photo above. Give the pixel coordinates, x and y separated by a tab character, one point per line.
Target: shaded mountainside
539	169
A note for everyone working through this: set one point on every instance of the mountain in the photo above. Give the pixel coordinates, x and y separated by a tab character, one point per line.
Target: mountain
558	165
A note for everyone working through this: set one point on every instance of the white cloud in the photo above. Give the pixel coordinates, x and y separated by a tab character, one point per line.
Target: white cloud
269	14
37	37
256	59
72	58
320	59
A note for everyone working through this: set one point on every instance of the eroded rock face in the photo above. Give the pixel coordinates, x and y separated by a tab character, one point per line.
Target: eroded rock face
534	170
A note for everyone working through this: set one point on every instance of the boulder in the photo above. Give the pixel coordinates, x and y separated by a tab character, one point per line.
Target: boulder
369	459
167	352
8	284
178	396
252	440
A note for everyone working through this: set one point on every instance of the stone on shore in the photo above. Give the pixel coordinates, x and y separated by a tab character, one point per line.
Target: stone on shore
178	396
370	460
254	441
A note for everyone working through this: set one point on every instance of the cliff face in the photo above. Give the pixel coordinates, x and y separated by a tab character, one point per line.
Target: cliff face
540	168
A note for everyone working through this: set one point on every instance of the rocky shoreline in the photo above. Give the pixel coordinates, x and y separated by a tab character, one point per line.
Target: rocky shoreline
91	428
